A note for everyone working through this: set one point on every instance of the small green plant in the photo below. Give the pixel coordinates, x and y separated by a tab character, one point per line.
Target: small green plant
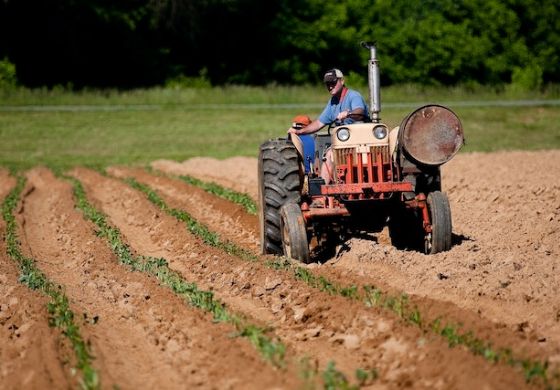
415	317
350	292
318	282
60	314
373	296
366	377
334	379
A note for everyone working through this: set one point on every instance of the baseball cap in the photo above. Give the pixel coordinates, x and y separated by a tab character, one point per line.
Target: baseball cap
332	75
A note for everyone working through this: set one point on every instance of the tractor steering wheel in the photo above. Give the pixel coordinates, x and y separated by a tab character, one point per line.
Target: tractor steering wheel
334	124
356	117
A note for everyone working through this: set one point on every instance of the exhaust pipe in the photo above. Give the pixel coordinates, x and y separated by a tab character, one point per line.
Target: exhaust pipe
373	83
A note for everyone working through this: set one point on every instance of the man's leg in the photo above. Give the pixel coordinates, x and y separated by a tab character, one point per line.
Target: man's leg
327	167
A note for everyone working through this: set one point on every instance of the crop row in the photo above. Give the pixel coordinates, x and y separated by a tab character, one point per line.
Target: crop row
60	314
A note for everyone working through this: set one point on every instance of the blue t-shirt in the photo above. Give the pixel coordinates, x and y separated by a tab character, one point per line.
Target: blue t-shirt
351	100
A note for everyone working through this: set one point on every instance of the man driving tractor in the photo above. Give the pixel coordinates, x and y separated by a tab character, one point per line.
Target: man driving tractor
372	176
346	106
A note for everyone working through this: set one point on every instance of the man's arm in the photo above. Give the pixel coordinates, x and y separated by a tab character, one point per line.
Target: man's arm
357	107
353	114
313	127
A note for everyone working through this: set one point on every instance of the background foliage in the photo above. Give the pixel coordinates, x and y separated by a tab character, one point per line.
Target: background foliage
102	43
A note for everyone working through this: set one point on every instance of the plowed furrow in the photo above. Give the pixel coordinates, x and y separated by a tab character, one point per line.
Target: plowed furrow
142	336
31	353
218	214
311	322
466	321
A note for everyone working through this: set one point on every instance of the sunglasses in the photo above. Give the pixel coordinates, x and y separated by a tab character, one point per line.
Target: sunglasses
330	84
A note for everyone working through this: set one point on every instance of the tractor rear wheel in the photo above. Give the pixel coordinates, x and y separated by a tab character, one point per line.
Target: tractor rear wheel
294	233
439	240
280	182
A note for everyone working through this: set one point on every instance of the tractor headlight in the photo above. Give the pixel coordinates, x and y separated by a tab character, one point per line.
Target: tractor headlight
343	134
380	132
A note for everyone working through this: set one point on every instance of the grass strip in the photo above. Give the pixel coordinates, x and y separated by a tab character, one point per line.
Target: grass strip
371	296
271	350
332	378
60	314
225	193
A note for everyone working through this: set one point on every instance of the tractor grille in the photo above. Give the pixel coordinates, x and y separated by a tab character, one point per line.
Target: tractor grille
384	151
340	155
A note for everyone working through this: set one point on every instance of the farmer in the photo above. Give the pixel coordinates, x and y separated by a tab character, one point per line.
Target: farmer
345	105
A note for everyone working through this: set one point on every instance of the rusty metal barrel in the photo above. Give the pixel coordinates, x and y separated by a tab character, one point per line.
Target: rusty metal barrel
431	135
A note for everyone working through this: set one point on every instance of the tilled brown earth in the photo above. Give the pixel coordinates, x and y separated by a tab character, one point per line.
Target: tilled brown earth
502	272
31	353
142	336
500	280
315	323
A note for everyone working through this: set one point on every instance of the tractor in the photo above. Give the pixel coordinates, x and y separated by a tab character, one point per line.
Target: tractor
382	178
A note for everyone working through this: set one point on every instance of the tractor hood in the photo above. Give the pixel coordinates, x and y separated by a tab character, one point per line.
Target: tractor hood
431	135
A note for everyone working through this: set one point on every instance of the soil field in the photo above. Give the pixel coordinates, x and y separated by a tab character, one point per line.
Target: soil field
498	285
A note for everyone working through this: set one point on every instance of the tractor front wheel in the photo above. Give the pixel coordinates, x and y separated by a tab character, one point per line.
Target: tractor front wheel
294	233
439	239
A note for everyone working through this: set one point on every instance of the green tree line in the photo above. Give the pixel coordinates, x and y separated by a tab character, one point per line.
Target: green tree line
103	43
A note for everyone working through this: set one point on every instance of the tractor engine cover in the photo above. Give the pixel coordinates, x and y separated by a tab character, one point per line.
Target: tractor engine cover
431	135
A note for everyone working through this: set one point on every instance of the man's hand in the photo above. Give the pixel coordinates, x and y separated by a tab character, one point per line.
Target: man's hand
343	115
311	128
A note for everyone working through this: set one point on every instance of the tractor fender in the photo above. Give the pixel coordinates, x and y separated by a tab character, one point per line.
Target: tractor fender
305	146
298	143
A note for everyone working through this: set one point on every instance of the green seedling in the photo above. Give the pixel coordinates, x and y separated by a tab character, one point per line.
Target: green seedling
225	193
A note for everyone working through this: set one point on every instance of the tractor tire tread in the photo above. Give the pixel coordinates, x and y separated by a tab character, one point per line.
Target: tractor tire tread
442	228
280	182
